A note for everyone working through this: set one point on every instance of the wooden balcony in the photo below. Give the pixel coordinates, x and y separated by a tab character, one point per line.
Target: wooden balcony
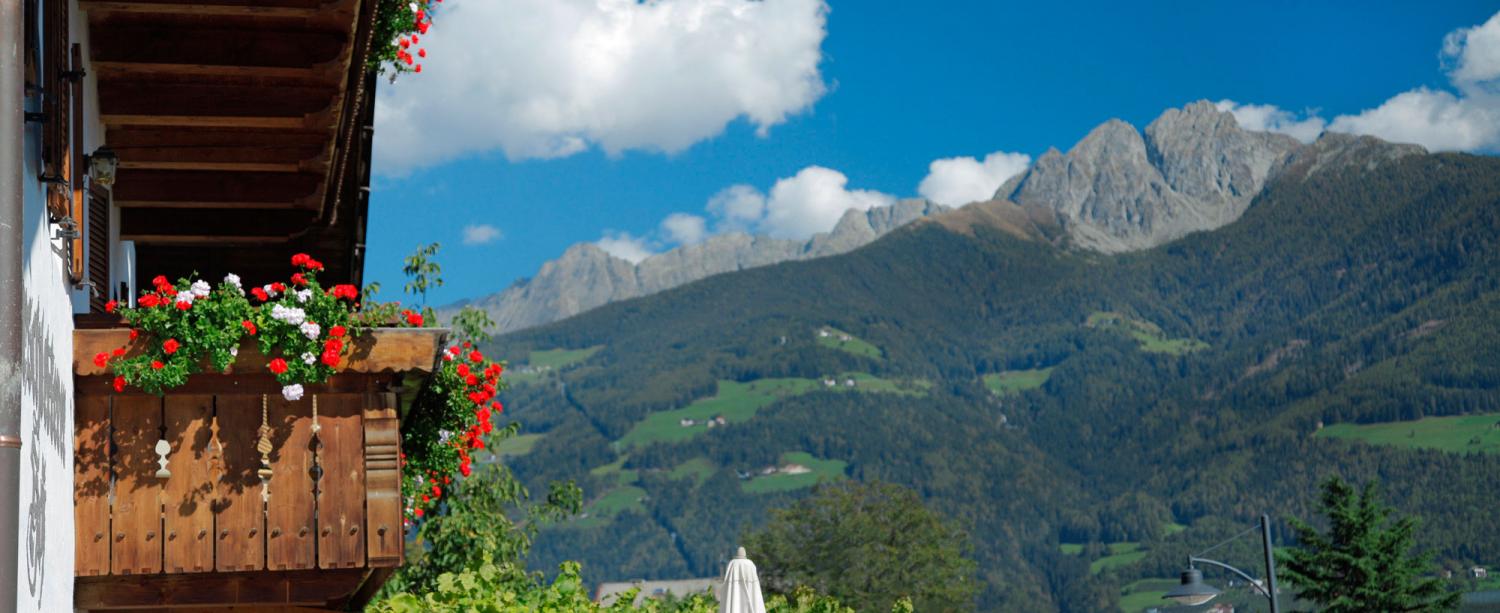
323	532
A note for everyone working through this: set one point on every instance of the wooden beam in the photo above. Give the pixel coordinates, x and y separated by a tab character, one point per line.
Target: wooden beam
212	43
199	121
115	70
199	98
314	588
202	239
224	166
382	351
201	204
195	9
206	186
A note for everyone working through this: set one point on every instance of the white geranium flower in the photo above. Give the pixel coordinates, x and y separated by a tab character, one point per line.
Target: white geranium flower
200	289
308	358
292	392
234	279
311	330
234	351
304	295
186	296
269	290
291	315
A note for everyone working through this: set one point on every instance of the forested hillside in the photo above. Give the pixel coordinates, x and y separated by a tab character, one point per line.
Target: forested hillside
1054	400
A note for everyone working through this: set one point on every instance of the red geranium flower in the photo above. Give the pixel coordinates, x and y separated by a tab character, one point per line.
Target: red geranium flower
101	359
300	259
471	380
119	384
334	345
336	331
109	307
119	351
462	369
249	327
157	365
414	319
299	279
417	512
277	365
278	287
160	283
149	300
437	492
464	468
170	346
260	294
184	305
314	265
134	333
330	358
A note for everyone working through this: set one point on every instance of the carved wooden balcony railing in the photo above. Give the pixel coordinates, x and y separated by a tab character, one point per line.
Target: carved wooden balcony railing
324	530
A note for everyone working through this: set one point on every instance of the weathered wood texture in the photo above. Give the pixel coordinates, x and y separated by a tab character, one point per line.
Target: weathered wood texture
387	350
309	546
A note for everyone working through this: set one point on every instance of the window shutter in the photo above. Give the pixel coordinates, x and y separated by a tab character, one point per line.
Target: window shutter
98	241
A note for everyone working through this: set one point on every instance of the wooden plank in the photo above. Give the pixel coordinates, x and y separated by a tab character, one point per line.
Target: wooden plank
313	588
197	204
204	185
202	239
386	519
115	70
233	10
290	516
157	42
188	495
202	99
222	166
91	482
201	121
239	513
137	512
341	491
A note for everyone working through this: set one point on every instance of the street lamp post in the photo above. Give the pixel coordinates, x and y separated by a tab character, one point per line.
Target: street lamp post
1193	591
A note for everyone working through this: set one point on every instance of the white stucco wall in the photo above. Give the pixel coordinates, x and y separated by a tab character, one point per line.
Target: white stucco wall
46	498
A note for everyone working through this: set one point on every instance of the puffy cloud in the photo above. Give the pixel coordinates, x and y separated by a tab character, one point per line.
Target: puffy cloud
550	78
480	234
623	245
1437	120
737	207
684	229
812	201
960	180
1440	120
1270	118
1474	53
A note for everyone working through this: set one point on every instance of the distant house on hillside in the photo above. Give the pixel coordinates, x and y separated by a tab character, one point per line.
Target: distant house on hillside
822	334
687	423
829	382
848	382
795	469
844	337
1478	572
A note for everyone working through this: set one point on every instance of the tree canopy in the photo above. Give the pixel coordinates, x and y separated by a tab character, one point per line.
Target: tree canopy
1363	562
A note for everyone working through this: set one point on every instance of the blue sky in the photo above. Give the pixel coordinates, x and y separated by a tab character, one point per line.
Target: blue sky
904	84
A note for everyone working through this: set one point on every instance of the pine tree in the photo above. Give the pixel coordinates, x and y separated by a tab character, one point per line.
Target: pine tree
1363	562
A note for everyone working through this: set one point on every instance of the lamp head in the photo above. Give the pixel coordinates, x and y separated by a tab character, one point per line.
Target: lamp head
1192	591
102	164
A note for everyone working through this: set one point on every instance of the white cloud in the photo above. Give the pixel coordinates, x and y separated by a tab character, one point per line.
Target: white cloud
1474	53
684	229
736	207
960	180
1440	120
550	78
1270	118
812	201
1437	120
623	245
480	234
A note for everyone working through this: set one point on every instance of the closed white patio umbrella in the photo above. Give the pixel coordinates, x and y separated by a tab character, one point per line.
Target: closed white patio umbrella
741	587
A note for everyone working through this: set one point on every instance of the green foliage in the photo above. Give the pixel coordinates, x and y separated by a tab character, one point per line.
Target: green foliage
869	544
1455	433
395	21
473	324
422	272
1364	561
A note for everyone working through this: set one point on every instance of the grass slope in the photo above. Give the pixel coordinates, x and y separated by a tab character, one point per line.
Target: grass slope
1017	381
822	470
738	402
1458	434
515	446
854	345
1151	337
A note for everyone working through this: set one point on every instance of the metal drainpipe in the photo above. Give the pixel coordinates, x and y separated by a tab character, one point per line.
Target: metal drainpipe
12	125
